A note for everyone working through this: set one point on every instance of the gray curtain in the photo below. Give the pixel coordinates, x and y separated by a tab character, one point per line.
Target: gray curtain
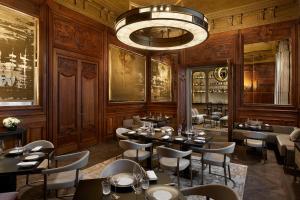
282	74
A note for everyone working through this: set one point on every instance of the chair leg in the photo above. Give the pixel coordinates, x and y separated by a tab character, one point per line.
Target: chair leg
225	175
229	173
202	174
191	171
27	179
45	187
209	169
178	177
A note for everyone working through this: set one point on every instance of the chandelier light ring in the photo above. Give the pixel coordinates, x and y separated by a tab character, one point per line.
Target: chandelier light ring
135	27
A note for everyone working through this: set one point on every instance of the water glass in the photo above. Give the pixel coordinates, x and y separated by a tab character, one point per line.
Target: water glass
145	183
105	187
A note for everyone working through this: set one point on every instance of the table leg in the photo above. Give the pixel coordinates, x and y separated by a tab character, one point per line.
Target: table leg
8	183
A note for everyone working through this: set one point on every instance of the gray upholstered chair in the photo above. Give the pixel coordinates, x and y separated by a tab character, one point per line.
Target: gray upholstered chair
135	151
43	144
172	159
65	176
119	166
217	154
120	132
256	140
214	191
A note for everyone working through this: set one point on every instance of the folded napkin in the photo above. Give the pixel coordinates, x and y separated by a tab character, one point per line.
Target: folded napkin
27	164
37	148
151	175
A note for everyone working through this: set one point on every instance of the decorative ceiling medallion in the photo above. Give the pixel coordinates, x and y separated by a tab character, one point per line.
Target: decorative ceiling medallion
163	27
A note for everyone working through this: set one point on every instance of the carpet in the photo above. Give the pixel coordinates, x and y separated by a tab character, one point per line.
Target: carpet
238	174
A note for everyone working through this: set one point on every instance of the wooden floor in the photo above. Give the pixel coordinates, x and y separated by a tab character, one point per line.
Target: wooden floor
264	181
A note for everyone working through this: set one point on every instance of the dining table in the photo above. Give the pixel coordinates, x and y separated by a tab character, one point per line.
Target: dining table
9	168
91	189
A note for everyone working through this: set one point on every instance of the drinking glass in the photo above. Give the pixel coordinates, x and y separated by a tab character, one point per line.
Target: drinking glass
179	131
105	187
145	183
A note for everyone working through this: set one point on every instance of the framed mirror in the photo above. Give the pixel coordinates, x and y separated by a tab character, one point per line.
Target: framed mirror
267	73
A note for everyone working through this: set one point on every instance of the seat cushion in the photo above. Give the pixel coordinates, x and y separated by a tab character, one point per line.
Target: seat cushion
62	180
284	142
253	143
131	154
9	196
171	163
216	159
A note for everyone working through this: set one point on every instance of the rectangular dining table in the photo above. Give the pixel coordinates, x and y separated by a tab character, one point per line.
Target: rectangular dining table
9	168
91	189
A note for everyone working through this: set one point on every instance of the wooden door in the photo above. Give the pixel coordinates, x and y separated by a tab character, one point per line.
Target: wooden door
75	101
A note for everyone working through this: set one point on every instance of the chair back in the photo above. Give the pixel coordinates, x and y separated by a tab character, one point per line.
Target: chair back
254	135
119	166
224	147
120	132
171	153
43	143
214	191
129	144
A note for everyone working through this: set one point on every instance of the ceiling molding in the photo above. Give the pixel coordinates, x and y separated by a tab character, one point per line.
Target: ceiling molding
250	15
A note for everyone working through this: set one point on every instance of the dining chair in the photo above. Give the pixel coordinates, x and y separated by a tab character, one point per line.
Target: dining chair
256	140
119	166
120	132
66	176
135	151
9	196
214	191
217	154
166	128
43	144
173	159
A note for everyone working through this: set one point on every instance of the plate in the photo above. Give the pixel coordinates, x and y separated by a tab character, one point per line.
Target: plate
157	129
200	138
162	192
123	180
143	133
27	164
131	132
179	138
202	133
165	137
32	157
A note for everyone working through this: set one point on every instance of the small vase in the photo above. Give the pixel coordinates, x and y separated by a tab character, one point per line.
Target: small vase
12	128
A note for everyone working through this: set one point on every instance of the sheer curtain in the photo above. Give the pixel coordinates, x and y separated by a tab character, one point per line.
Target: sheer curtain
282	73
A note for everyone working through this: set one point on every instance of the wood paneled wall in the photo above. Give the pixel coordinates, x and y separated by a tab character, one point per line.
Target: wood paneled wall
229	46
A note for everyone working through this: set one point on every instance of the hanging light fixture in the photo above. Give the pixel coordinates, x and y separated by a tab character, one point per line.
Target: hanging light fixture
163	27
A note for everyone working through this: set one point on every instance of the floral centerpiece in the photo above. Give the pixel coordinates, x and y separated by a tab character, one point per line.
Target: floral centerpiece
11	123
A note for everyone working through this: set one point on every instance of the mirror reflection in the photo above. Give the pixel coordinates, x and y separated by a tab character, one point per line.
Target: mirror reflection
268	72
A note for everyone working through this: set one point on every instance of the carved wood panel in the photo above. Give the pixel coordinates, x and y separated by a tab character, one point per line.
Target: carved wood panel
77	37
89	102
67	129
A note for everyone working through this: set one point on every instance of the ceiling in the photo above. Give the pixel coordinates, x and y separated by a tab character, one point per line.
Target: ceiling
205	6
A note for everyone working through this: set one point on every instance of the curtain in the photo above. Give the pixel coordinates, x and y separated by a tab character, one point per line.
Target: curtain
282	74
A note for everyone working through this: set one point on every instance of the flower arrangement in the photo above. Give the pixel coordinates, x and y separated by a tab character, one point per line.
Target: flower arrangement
11	123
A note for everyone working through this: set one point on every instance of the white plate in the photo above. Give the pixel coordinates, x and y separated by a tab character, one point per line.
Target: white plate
122	180
131	132
165	137
200	138
162	195
157	129
143	133
202	133
32	157
162	192
179	138
27	164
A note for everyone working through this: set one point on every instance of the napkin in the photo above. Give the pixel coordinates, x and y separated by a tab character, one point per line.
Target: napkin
37	148
151	175
27	164
43	164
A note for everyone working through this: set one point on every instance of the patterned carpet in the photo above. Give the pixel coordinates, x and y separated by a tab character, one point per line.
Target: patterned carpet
238	173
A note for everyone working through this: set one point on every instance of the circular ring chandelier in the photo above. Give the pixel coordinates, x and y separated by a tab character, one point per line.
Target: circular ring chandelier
163	27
